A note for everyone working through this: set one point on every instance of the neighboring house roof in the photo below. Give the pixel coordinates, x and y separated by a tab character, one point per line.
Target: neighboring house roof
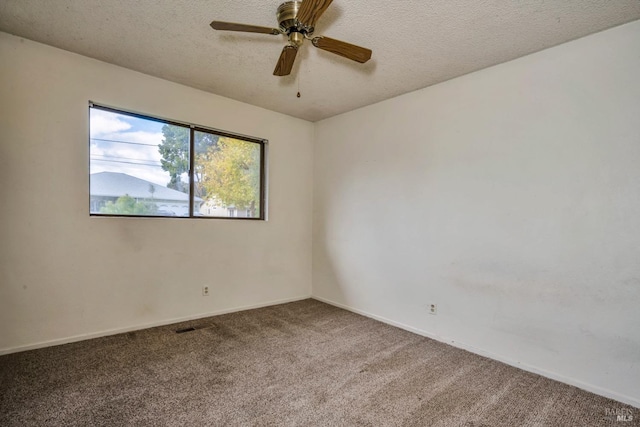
113	184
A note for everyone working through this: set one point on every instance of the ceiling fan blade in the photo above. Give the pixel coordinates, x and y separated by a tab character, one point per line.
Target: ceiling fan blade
311	10
285	62
348	50
230	26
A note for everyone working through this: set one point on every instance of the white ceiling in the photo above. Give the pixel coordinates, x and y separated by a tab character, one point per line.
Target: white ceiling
415	43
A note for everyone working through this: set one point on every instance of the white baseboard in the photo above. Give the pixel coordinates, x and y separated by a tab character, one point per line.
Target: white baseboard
481	352
116	331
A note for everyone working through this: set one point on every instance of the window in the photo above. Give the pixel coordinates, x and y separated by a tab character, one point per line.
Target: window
144	166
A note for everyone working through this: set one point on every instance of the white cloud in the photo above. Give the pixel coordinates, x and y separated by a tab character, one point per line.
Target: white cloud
104	122
112	151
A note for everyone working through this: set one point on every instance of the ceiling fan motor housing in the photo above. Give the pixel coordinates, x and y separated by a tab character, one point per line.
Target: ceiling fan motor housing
287	18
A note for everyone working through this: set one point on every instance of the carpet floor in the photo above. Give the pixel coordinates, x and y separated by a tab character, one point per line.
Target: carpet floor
300	364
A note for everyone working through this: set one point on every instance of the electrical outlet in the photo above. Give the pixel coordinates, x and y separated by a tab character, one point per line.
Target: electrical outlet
433	308
205	291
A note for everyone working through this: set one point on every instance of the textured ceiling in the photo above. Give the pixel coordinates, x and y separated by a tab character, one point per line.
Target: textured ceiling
415	43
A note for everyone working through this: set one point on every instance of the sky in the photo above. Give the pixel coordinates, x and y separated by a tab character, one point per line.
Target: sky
116	145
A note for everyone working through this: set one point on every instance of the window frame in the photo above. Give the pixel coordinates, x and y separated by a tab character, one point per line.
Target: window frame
262	142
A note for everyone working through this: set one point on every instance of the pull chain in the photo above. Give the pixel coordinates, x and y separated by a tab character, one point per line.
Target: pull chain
298	95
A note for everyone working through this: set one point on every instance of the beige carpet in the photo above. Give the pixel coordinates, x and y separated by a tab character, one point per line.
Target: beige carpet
298	364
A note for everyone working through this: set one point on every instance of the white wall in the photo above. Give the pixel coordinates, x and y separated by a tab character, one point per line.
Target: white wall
511	198
64	274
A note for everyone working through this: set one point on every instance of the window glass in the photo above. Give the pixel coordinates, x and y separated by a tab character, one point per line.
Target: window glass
227	176
140	166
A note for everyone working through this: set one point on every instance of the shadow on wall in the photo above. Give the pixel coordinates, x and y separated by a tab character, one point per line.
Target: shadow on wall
325	274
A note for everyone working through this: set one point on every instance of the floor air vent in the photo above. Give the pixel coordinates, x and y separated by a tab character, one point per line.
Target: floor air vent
182	331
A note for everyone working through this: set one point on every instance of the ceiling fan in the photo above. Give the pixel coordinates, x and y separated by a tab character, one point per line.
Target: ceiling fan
297	20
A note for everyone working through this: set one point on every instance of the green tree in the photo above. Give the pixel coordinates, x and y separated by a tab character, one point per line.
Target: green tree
127	205
174	150
232	174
